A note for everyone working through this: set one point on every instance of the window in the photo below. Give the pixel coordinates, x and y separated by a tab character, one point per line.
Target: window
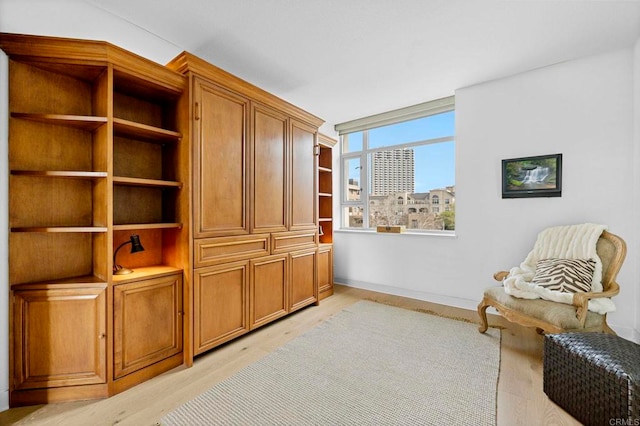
396	160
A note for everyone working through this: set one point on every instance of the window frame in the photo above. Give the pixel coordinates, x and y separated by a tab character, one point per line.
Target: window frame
364	125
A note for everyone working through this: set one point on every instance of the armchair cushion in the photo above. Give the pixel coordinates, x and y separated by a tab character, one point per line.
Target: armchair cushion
558	314
566	275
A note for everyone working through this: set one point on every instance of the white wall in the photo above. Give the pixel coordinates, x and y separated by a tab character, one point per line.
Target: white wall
79	19
582	109
636	178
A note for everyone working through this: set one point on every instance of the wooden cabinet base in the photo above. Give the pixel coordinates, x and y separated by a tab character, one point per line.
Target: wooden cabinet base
79	393
55	395
145	374
325	293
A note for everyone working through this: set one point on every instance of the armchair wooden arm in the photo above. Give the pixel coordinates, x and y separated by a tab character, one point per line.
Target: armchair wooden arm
500	275
581	300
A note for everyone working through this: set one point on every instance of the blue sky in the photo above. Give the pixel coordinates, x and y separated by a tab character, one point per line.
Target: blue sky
434	164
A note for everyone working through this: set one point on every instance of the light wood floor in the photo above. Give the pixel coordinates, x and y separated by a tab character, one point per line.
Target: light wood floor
521	400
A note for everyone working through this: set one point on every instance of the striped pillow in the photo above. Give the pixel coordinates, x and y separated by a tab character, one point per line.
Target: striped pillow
565	275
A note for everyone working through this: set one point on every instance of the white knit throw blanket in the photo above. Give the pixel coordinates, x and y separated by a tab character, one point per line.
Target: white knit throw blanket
561	242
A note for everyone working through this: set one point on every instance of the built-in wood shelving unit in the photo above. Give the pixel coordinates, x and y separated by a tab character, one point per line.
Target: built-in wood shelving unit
95	155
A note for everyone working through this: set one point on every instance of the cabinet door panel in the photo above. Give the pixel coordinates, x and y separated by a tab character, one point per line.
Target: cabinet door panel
269	285
304	287
325	271
220	187
269	170
59	337
303	175
147	317
221	304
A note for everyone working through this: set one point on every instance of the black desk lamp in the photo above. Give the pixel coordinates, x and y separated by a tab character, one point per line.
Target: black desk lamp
136	247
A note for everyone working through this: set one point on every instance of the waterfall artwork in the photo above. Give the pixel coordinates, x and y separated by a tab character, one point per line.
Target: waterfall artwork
539	176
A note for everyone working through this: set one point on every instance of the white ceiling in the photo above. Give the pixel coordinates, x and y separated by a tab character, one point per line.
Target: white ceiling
345	59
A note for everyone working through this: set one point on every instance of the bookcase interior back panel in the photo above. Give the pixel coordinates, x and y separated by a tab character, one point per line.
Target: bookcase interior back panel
42	146
151	239
137	205
37	90
37	257
76	210
124	149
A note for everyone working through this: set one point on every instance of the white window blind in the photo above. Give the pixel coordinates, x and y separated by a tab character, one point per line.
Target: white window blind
403	114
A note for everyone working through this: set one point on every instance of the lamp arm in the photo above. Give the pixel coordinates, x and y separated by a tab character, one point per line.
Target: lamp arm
116	252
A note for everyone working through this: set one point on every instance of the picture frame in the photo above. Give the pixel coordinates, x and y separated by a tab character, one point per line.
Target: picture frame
536	176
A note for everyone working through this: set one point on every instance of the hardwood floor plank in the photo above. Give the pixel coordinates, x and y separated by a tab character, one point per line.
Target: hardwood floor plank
521	400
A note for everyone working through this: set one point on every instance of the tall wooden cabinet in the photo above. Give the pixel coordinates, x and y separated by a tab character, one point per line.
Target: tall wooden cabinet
256	230
325	215
95	155
217	178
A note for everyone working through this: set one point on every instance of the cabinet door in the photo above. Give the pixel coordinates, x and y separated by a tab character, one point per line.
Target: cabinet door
147	320
59	338
221	304
303	284
269	171
303	173
269	285
325	271
220	181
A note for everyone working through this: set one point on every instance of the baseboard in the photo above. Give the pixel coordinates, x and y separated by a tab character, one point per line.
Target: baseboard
4	400
624	332
455	302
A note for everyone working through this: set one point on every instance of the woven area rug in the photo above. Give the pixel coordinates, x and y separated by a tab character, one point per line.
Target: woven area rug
370	364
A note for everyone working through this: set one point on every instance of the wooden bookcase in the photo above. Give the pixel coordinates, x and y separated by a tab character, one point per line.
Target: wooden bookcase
217	177
325	215
95	155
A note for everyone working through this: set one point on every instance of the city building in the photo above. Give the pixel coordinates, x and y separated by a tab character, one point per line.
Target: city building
392	171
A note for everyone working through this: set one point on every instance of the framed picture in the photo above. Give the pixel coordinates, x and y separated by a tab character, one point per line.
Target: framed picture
539	176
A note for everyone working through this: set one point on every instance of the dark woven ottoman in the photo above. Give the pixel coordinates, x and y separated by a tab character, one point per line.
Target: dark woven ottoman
595	377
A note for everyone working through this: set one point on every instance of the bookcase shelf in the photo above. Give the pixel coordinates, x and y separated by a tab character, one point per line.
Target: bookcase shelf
61	229
63	283
144	132
120	180
88	123
138	226
72	174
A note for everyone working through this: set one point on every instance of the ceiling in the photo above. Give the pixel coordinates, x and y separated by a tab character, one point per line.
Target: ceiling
346	59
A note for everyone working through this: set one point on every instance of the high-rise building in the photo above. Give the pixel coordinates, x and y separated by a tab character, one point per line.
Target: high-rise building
392	171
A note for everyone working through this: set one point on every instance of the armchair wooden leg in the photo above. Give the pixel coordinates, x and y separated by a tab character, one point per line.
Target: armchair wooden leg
482	312
608	329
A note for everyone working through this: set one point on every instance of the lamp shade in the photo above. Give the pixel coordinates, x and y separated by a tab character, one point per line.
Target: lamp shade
136	246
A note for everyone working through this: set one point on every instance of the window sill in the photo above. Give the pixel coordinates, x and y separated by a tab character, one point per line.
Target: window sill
445	234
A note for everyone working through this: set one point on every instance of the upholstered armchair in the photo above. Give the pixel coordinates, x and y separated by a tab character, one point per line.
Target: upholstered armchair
554	317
